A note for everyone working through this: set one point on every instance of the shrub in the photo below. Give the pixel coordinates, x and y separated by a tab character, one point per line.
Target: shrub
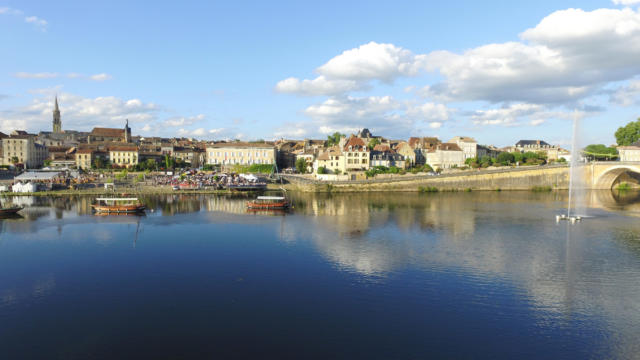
427	189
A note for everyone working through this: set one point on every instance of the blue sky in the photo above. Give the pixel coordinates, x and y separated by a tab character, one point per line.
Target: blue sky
499	71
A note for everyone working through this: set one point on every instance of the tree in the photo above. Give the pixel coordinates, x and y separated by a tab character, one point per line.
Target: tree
518	157
47	162
628	134
600	152
322	170
373	142
151	164
14	160
334	139
505	158
301	165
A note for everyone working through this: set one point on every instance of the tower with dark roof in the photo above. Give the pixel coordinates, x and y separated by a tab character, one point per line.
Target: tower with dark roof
57	123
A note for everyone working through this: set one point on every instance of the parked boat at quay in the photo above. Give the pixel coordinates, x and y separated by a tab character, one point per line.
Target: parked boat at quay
10	210
268	203
118	205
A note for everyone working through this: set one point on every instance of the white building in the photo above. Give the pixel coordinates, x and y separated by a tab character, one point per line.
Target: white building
468	145
629	153
445	156
240	153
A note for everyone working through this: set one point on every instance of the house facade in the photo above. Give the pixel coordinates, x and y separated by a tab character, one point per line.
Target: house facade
240	153
126	156
468	145
356	154
23	148
445	156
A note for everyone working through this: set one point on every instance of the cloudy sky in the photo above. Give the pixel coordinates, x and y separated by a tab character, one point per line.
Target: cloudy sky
499	71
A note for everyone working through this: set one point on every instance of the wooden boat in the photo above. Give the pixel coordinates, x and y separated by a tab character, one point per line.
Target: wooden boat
10	210
118	205
268	203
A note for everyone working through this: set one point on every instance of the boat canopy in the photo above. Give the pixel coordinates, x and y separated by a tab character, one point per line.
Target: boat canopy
117	199
270	198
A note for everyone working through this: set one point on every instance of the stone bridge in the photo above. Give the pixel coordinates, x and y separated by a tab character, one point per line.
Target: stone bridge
595	175
607	174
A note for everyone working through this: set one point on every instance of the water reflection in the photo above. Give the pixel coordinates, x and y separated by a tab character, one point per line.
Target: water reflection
563	275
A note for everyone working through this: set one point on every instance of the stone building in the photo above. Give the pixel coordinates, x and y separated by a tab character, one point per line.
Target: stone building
110	135
21	148
468	145
356	154
445	156
332	159
630	153
123	155
240	153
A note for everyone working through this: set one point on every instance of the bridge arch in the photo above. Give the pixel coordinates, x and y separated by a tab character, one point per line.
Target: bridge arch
611	176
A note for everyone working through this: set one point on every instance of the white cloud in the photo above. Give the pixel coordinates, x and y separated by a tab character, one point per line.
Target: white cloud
38	22
372	61
430	111
34	20
523	114
318	86
626	2
382	114
354	69
570	56
51	75
78	112
100	77
41	75
565	58
183	121
627	95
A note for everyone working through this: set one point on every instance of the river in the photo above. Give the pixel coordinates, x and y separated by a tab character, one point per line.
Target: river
341	276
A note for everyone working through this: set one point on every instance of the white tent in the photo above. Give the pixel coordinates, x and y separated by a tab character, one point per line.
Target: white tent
24	188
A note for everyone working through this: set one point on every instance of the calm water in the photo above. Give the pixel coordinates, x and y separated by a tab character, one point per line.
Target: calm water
375	276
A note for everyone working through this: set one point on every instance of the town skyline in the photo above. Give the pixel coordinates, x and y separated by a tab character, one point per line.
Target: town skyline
399	78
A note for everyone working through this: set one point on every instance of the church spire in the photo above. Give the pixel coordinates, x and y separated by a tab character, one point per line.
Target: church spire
57	123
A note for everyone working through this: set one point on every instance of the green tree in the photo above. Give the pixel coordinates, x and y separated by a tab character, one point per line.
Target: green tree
301	165
14	160
322	170
98	163
151	164
600	152
628	134
505	158
334	139
518	157
47	162
373	142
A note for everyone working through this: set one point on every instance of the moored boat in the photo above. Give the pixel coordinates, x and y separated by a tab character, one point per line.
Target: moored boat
10	210
118	205
268	203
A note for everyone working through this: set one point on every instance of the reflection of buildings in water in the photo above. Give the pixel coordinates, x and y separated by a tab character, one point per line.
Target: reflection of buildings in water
226	205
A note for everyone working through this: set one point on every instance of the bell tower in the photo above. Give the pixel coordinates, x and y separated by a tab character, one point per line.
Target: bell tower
57	123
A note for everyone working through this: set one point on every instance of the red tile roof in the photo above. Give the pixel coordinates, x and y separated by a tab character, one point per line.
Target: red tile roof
356	144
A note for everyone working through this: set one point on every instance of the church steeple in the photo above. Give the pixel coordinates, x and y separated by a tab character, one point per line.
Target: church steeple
57	123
